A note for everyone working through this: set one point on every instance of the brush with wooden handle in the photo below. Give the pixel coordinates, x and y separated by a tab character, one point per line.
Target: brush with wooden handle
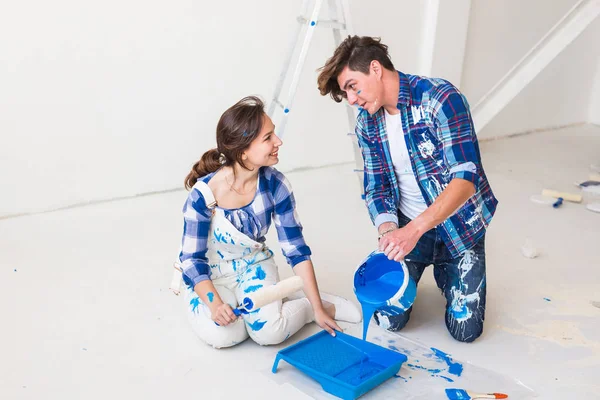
460	394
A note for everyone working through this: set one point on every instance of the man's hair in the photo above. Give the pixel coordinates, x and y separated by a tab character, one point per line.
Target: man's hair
356	52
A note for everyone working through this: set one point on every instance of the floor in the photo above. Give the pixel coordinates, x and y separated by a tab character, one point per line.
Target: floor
87	313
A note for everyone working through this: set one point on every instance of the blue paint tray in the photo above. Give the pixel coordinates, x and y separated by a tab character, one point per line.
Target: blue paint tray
345	366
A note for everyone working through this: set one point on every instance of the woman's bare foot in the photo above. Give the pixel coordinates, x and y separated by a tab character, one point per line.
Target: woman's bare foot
329	308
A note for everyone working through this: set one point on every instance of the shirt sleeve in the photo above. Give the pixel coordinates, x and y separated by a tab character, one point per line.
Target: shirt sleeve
378	192
287	223
194	243
454	127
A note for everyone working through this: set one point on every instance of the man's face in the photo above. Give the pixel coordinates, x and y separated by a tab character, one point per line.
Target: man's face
361	89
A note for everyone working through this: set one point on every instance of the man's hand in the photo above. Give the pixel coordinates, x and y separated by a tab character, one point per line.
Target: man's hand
399	242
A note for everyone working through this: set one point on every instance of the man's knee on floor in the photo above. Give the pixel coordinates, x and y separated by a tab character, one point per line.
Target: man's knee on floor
390	321
465	331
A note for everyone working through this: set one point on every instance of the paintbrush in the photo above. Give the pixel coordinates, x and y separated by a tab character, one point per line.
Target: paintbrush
460	394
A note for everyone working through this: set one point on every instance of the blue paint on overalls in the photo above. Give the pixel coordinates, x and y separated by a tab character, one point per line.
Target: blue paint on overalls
254	288
195	302
260	274
256	325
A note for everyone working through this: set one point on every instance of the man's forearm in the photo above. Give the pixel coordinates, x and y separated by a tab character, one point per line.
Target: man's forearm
455	195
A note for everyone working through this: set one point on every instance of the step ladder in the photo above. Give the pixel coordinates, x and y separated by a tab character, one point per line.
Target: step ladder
339	20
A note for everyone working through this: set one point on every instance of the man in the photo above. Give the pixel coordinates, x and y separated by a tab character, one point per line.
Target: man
425	187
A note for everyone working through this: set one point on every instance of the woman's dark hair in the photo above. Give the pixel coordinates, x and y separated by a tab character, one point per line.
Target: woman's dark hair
237	128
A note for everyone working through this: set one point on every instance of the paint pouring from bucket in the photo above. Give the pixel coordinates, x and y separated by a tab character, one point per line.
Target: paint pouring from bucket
380	282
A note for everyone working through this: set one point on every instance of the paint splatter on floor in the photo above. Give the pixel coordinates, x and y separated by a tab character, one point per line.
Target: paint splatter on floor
454	368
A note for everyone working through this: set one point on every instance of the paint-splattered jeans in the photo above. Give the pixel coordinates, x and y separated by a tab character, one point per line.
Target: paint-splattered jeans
461	280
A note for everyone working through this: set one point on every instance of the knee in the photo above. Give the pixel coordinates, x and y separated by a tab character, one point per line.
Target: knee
465	331
392	318
268	335
226	336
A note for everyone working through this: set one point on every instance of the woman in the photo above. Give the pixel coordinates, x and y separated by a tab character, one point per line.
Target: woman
235	194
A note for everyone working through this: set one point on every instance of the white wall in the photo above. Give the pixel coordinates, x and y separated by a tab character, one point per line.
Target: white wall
116	98
113	99
558	96
594	110
500	34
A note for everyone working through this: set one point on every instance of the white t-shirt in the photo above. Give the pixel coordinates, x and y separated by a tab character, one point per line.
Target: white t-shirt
412	202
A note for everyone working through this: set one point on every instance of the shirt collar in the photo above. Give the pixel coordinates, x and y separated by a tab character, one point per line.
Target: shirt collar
404	92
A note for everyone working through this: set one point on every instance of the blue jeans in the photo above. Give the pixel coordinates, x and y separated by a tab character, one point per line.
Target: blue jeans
461	280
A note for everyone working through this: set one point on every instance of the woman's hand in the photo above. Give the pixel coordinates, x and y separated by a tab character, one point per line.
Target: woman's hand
326	321
222	314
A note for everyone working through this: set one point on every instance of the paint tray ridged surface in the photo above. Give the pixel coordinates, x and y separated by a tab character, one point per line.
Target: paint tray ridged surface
345	366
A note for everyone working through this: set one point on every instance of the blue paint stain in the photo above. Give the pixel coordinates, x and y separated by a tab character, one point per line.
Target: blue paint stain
312	23
210	296
430	370
260	274
454	368
359	92
252	288
220	254
558	202
256	325
459	311
218	236
195	302
394	348
287	110
446	378
457	394
547	299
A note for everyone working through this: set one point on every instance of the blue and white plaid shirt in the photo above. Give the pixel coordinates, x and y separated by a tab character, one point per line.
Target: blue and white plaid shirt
274	201
442	145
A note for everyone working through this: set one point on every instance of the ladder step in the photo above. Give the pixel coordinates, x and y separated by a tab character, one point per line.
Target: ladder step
277	102
322	23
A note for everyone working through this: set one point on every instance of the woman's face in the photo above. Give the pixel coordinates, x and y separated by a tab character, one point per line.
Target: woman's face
264	149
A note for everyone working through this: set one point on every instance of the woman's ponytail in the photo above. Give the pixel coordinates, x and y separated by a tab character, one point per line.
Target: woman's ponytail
208	163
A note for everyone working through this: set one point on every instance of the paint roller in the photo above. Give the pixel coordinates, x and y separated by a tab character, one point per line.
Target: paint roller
269	294
575	198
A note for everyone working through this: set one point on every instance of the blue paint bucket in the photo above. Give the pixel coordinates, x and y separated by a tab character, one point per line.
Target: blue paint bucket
384	285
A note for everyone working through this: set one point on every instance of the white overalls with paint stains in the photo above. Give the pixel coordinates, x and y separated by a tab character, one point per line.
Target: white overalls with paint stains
238	266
